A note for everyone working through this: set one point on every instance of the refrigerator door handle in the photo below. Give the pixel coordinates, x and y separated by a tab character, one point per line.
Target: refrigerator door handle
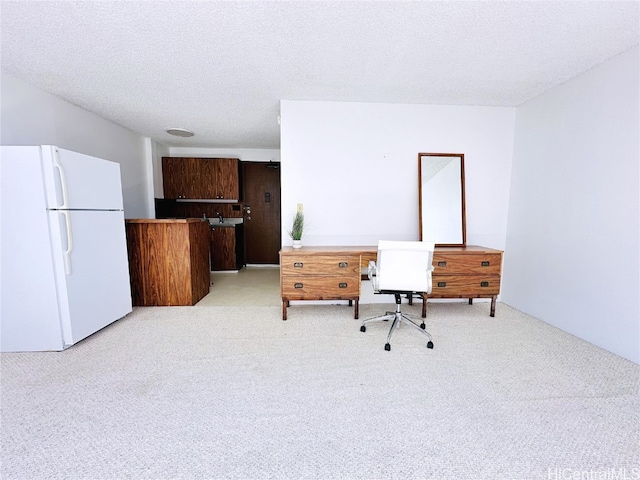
69	249
63	181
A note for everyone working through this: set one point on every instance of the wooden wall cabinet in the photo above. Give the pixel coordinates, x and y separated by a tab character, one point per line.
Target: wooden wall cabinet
319	273
181	177
227	248
168	261
173	176
226	178
201	178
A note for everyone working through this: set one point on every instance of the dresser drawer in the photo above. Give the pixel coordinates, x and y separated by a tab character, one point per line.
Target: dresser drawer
464	285
320	265
480	264
320	286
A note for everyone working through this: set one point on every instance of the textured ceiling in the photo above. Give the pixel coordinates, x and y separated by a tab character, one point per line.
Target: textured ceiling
220	68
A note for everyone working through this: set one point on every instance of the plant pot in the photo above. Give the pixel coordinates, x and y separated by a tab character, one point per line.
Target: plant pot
297	243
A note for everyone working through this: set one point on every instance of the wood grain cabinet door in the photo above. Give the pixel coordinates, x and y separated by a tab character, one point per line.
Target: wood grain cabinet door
223	249
227	182
204	186
173	177
185	178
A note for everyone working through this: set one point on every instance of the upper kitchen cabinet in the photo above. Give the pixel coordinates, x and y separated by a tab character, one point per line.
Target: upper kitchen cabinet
227	178
176	177
201	178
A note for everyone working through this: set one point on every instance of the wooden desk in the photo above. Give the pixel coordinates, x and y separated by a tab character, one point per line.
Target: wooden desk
333	273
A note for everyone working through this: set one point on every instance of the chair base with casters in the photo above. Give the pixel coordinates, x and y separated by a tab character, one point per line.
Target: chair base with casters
402	268
398	318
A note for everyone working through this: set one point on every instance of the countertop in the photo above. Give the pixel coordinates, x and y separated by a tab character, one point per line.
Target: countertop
163	220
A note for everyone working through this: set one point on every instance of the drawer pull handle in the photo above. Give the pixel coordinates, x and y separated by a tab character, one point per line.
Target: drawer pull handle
297	265
442	264
485	263
484	284
343	265
442	284
342	285
298	285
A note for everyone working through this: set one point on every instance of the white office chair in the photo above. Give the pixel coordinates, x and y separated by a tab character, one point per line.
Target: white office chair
402	268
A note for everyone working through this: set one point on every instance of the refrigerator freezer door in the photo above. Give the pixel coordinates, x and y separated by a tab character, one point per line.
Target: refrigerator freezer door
77	181
93	285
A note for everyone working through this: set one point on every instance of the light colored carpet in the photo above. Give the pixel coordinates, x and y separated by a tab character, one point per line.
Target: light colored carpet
234	392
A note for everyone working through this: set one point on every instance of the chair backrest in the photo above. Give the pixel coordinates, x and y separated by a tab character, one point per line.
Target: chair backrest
404	266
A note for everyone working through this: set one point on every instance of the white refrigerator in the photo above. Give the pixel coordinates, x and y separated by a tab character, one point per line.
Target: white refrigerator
64	271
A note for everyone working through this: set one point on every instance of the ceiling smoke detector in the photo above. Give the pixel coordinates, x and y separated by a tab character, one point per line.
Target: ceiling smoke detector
179	132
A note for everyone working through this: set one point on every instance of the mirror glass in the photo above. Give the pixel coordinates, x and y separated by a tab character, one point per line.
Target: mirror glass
441	197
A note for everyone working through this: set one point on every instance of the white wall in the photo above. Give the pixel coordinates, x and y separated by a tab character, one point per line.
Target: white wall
158	151
244	154
354	166
572	250
30	116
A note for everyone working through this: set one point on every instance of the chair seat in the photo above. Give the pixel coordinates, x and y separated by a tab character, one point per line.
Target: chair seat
401	292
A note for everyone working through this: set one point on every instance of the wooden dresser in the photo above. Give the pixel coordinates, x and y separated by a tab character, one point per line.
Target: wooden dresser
320	273
466	272
168	261
333	273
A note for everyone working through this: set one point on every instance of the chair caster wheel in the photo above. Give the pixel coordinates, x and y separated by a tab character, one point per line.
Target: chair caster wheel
422	326
430	345
387	347
363	328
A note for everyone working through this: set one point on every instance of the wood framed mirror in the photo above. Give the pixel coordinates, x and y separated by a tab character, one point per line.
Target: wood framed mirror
441	198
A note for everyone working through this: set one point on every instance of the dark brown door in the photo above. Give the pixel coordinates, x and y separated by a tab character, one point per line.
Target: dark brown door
262	212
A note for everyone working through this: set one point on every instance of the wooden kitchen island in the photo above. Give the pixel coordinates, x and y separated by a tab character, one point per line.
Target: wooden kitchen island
168	260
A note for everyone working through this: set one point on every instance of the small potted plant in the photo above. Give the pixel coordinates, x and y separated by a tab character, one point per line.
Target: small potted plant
297	228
